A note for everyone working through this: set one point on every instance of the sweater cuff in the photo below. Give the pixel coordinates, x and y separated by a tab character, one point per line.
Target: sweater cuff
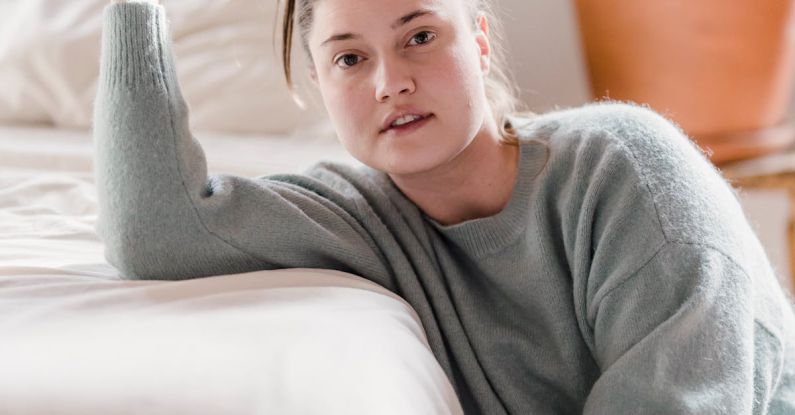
133	37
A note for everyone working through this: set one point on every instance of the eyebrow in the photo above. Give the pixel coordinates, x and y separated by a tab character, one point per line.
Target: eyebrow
402	21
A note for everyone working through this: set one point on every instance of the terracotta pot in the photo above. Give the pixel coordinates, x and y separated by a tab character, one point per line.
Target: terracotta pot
723	70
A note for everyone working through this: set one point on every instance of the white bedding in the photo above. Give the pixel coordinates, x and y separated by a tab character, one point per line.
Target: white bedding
76	339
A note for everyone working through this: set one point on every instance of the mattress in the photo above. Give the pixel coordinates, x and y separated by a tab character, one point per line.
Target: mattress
78	339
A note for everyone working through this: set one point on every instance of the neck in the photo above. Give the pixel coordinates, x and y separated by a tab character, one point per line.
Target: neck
477	183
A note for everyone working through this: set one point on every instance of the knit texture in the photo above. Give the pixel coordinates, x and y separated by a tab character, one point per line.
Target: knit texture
622	277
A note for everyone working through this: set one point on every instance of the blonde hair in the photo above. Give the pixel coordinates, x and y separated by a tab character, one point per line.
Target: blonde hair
501	91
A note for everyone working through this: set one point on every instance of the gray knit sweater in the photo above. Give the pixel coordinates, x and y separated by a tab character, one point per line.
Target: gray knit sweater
622	277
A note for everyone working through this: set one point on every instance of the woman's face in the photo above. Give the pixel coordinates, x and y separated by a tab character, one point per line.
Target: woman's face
377	59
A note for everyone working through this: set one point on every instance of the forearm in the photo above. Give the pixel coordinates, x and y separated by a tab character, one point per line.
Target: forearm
163	217
149	170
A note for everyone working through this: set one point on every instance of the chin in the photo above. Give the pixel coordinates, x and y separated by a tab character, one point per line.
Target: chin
406	170
414	163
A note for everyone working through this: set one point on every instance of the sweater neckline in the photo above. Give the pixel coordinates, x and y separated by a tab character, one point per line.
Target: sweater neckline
486	235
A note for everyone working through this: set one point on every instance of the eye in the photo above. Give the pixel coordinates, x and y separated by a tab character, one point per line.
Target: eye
425	37
349	60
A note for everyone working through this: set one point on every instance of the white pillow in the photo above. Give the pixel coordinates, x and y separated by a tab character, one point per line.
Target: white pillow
229	73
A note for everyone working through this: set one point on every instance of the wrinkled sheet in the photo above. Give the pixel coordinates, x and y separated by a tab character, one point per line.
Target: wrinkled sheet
77	339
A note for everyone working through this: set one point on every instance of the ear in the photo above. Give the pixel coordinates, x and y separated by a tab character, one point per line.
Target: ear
313	75
482	39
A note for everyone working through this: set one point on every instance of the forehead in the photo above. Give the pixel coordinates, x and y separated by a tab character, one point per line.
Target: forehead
338	15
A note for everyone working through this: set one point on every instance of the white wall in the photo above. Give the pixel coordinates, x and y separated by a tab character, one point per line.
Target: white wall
544	50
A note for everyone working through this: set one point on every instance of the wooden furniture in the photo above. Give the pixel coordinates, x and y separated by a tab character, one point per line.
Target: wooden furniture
743	145
724	71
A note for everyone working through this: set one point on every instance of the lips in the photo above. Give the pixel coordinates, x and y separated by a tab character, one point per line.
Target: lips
387	125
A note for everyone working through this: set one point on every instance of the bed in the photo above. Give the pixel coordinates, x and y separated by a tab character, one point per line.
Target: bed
77	339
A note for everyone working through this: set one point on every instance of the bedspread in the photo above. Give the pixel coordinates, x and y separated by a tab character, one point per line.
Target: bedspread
77	339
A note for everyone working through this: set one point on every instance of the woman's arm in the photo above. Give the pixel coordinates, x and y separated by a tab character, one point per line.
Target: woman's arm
680	335
680	306
162	217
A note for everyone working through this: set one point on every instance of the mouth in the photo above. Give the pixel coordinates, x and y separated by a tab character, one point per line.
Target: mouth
406	124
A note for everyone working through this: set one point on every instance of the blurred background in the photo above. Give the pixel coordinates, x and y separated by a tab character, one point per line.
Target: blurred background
544	46
723	71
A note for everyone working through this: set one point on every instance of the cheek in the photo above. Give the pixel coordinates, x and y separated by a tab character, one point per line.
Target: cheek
343	103
349	113
459	79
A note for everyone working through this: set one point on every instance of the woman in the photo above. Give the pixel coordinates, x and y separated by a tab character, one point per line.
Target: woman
584	260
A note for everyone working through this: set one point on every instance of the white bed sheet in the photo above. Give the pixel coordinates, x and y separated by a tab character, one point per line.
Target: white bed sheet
76	339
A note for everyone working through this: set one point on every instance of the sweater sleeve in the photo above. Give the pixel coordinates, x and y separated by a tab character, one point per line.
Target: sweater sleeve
679	336
162	217
684	311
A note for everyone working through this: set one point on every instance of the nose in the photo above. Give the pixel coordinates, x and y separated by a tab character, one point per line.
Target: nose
392	79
